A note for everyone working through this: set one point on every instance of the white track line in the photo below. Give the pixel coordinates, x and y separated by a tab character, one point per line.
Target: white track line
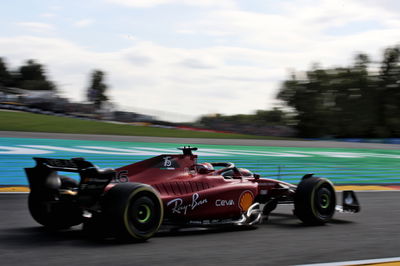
355	262
368	191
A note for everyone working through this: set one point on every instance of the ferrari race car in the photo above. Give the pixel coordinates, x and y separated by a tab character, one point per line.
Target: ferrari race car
132	202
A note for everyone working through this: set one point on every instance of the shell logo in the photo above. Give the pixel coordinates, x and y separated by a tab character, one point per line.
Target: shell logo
245	200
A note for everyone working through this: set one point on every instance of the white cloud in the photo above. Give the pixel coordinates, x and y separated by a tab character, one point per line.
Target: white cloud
157	80
239	70
304	30
36	26
391	6
83	23
153	3
186	31
56	7
276	43
48	15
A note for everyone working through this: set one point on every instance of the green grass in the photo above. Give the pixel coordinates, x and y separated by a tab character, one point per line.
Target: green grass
21	121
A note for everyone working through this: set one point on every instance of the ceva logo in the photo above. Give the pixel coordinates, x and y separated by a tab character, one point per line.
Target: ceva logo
223	203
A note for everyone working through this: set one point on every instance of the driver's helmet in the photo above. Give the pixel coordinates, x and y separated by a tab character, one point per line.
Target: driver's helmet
204	168
245	172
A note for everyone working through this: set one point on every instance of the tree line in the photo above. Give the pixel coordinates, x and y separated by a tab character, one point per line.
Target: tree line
361	100
263	122
32	76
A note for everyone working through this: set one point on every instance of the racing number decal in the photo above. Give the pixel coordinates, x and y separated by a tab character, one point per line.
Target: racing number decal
167	161
245	200
168	164
122	176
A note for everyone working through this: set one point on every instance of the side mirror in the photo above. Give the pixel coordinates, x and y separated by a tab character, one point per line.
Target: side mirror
256	176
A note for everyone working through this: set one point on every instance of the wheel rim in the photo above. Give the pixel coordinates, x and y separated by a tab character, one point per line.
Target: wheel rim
325	201
143	213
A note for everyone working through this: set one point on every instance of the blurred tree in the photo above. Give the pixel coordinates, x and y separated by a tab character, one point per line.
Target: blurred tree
264	122
353	109
275	116
363	98
32	77
361	61
97	89
5	76
338	102
310	98
389	94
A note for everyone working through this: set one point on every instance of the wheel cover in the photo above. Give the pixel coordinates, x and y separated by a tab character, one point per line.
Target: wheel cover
143	213
324	201
142	217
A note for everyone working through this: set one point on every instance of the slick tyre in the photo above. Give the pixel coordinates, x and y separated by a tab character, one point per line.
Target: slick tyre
48	210
315	201
134	211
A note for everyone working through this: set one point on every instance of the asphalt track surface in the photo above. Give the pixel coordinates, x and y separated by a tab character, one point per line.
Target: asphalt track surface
281	240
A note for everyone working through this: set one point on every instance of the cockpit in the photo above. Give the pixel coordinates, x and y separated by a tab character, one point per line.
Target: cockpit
227	170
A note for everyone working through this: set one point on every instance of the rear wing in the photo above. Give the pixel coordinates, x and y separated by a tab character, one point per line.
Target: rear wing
72	165
44	177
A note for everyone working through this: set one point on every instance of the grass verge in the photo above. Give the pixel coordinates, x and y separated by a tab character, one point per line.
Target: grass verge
22	121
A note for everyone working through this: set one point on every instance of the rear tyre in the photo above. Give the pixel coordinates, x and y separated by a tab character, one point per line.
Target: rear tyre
47	209
134	211
315	201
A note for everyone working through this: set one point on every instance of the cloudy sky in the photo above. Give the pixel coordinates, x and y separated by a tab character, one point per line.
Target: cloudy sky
192	56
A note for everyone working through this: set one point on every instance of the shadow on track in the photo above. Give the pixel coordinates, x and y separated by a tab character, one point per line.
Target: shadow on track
40	236
43	237
288	220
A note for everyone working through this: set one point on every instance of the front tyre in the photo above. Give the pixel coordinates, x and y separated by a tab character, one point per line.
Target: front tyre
134	211
315	201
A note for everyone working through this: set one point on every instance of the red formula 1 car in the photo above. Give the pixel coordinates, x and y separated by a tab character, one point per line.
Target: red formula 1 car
132	202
